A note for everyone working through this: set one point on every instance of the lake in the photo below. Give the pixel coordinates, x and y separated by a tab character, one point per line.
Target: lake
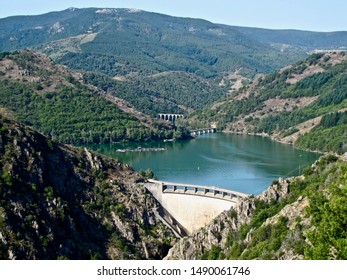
239	162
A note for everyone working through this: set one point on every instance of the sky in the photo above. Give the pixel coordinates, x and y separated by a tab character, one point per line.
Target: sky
313	15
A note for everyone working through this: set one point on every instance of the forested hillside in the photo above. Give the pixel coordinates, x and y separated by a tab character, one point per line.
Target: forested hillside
59	202
121	41
169	92
55	101
298	218
304	40
304	103
155	62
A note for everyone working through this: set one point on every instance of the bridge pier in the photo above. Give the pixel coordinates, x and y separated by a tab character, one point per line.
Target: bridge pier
169	117
195	132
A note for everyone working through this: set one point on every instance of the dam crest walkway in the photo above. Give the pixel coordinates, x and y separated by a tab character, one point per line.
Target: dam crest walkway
199	190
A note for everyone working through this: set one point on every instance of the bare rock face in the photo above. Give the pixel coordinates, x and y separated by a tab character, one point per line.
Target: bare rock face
216	233
275	191
292	212
93	160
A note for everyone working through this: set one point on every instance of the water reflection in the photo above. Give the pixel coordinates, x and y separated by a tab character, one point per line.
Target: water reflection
242	163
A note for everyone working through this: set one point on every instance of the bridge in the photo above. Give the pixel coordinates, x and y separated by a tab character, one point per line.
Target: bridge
191	206
169	117
195	132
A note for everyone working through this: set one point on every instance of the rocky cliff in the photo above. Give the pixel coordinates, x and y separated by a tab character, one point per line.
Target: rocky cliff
217	233
60	202
298	218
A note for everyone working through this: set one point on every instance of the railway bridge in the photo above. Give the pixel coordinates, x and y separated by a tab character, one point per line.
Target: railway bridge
170	117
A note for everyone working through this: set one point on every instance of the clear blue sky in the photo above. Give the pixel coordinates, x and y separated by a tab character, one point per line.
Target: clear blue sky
315	15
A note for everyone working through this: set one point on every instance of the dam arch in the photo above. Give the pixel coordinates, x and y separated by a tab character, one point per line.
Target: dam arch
192	206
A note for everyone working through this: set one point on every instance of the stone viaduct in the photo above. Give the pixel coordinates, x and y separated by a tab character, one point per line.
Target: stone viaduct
170	117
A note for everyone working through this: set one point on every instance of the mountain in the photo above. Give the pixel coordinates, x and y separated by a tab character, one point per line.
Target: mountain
154	61
139	41
297	218
305	40
56	101
60	202
304	103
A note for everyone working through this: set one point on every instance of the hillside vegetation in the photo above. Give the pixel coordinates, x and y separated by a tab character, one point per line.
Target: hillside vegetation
303	104
159	63
57	102
59	202
304	40
153	59
168	92
139	41
298	218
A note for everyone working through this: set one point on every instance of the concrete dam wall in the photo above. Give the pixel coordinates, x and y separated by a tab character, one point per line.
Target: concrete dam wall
192	206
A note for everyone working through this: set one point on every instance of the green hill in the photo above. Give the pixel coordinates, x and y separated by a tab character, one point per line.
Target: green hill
133	46
298	218
304	40
154	61
139	41
303	104
56	101
60	202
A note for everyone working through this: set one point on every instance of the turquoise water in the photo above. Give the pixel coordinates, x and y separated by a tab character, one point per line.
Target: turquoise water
243	163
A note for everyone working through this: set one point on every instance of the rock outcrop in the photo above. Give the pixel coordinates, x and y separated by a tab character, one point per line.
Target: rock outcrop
218	231
302	217
62	202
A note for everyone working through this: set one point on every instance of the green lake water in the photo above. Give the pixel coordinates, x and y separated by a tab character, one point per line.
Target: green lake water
243	163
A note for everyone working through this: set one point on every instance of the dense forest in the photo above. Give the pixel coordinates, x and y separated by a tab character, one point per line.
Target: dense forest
71	112
329	135
172	92
159	63
155	62
122	41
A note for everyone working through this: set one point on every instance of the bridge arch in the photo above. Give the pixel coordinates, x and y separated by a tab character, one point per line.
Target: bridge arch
169	117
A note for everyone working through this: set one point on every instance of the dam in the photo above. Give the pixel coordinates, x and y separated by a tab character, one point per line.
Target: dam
189	207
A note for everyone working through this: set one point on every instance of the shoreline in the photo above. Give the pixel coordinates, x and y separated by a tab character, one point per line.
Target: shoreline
140	150
265	135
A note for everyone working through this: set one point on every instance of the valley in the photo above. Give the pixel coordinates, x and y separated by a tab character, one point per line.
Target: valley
99	78
136	47
290	105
